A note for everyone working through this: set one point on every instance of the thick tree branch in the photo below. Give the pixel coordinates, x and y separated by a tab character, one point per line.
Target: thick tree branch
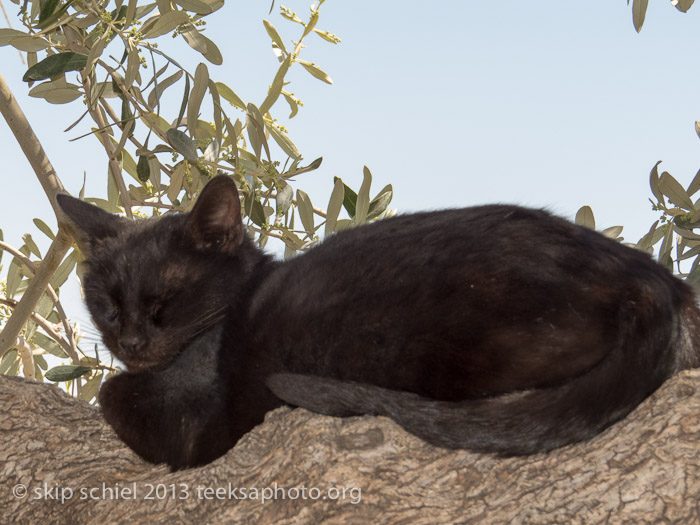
643	470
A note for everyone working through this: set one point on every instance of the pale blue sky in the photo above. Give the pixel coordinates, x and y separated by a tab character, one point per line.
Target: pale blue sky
455	103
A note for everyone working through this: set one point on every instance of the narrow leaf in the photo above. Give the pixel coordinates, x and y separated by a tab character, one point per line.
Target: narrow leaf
6	35
143	170
380	203
66	372
182	143
195	6
334	205
54	65
229	95
213	53
584	217
349	198
275	36
201	84
64	270
639	11
315	71
276	88
654	183
306	212
48	344
167	23
675	192
283	141
363	197
695	184
91	387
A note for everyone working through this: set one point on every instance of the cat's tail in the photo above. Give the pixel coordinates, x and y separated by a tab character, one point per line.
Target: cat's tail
517	423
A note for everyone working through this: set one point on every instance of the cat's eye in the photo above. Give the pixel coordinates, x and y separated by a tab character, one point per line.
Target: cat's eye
112	314
156	313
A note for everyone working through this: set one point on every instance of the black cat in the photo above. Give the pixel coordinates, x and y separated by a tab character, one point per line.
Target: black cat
495	328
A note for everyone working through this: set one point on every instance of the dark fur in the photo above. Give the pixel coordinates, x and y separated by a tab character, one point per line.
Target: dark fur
495	328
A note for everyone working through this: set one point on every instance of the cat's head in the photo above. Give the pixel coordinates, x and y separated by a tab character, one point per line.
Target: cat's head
152	285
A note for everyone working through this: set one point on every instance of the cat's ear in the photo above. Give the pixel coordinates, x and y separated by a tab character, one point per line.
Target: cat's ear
91	223
215	221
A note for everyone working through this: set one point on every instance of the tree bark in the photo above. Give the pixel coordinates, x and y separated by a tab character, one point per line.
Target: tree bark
644	469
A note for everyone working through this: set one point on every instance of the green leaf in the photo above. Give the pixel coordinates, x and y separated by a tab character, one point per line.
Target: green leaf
695	185
334	205
14	277
48	344
159	89
639	11
213	53
47	9
380	203
683	5
54	65
315	71
275	36
66	372
8	361
6	35
349	198
229	95
142	168
293	105
182	143
176	180
613	232
194	38
311	24
654	183
362	203
56	92
297	171
276	88
31	245
256	131
43	228
645	243
584	217
183	106
167	23
195	6
306	212
666	247
43	307
91	387
64	270
257	213
29	43
201	84
675	192
283	141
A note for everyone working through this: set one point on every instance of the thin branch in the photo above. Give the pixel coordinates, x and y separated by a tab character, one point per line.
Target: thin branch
73	352
109	148
51	329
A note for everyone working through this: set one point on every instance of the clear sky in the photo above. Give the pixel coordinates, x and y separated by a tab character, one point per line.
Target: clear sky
455	103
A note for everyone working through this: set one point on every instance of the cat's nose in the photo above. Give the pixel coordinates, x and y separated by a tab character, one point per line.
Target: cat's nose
131	345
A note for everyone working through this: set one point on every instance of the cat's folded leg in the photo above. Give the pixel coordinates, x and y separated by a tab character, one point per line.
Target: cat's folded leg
159	429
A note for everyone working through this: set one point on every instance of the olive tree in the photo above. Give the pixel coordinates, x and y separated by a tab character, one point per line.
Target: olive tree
109	59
